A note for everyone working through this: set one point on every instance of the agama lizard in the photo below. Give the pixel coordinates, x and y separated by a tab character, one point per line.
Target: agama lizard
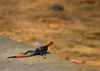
39	51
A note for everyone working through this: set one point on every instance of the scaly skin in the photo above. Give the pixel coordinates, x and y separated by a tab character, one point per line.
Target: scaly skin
39	51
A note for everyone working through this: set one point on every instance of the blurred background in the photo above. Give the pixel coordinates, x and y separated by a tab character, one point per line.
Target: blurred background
73	26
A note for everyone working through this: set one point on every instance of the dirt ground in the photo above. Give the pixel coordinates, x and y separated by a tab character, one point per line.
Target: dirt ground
74	31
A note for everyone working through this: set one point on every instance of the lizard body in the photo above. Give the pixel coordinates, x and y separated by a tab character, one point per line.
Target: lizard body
39	51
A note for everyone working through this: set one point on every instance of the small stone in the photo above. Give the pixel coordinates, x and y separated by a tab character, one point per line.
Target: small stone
2	68
44	57
8	61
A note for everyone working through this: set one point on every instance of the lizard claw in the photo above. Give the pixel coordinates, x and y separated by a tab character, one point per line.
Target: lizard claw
44	56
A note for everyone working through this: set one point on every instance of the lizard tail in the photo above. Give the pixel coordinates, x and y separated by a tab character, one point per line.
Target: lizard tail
19	56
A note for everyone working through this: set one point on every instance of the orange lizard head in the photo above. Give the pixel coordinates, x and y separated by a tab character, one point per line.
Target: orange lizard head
48	43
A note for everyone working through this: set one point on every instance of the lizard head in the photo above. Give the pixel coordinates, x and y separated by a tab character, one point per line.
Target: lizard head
48	43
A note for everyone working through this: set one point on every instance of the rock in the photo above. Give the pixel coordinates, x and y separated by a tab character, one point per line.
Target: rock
38	63
55	7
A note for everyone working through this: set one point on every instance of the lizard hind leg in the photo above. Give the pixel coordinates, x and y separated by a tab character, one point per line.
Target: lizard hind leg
30	51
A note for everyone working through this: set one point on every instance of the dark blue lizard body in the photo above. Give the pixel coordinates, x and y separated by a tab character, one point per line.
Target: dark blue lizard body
39	51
